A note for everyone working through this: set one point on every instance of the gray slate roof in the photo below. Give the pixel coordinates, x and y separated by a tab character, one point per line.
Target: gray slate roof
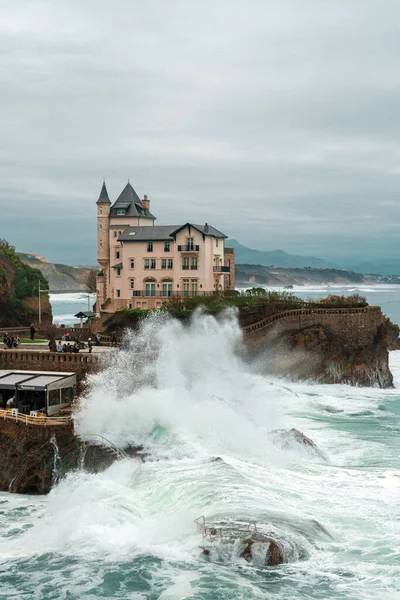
205	229
129	200
103	198
148	234
162	233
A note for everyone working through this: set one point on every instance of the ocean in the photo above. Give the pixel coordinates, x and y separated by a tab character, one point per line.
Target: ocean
129	533
65	306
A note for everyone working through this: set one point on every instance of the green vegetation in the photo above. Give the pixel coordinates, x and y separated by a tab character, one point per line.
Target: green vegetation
354	301
18	282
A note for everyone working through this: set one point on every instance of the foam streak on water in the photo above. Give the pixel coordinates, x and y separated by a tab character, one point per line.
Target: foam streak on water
187	397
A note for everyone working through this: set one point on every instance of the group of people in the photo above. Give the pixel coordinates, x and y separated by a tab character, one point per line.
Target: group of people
62	347
64	344
11	341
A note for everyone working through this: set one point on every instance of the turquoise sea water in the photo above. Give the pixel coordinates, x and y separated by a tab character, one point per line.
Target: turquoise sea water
129	532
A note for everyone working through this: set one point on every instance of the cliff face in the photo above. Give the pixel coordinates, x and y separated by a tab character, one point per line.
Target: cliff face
60	277
316	353
19	289
34	457
29	455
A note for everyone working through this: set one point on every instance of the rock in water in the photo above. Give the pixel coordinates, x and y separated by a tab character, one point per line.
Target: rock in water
274	554
286	439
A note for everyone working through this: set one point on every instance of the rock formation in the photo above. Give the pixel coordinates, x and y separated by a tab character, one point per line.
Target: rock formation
289	438
274	555
34	457
316	353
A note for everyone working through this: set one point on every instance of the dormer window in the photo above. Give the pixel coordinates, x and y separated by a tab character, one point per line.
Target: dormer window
121	211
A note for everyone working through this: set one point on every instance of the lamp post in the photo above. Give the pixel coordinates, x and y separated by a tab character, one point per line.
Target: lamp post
40	307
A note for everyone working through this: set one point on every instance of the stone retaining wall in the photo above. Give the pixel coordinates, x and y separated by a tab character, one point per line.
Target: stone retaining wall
355	327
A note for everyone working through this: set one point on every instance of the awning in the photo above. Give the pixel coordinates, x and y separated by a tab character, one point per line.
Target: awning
10	381
38	383
118	266
34	381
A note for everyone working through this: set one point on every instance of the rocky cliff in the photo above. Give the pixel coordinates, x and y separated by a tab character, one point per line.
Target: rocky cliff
19	291
60	277
34	457
317	353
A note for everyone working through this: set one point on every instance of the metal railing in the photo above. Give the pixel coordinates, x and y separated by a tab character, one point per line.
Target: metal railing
221	269
224	529
170	294
31	420
108	444
189	248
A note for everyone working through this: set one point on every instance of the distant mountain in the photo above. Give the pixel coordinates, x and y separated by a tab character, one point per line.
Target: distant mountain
285	277
384	267
277	258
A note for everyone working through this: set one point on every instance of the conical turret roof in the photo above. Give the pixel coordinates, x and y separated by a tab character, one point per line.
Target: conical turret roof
103	198
129	201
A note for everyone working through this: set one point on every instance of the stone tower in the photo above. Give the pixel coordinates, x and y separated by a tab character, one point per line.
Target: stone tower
103	245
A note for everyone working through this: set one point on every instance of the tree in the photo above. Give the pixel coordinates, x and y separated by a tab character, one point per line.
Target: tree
90	281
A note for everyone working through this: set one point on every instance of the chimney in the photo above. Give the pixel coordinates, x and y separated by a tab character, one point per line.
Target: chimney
206	229
146	202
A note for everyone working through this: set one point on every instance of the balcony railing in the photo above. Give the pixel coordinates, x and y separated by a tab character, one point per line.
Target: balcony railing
189	248
221	269
171	294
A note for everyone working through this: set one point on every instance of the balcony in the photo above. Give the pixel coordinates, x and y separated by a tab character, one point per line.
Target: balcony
221	269
171	294
189	248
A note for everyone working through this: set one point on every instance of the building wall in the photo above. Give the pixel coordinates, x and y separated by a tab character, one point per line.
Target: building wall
229	258
209	255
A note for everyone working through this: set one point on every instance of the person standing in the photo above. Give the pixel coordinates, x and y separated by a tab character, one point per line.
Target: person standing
32	331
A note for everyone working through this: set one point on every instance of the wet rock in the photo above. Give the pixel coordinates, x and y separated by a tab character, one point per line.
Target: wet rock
287	438
390	333
320	354
274	554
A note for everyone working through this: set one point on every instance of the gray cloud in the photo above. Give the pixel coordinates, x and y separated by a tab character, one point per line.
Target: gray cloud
275	121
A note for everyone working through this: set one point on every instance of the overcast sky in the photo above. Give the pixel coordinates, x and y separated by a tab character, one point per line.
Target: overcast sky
276	121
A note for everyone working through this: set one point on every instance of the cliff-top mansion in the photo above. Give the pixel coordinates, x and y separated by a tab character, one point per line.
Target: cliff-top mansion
143	264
